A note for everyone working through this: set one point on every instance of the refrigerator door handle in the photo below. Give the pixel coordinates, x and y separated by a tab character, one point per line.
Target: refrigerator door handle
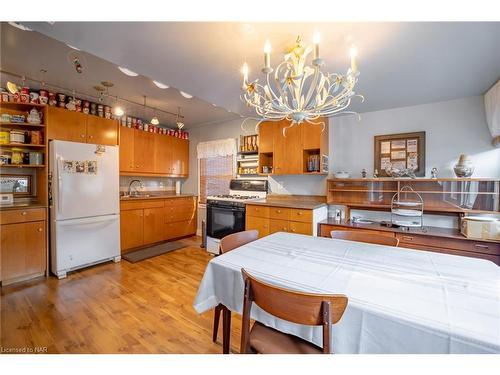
88	220
59	184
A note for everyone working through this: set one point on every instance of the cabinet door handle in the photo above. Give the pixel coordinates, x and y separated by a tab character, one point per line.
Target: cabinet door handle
82	135
479	246
278	211
407	238
91	136
293	230
39	229
299	213
24	213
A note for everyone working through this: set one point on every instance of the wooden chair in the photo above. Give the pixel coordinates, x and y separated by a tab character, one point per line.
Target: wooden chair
292	306
359	236
229	243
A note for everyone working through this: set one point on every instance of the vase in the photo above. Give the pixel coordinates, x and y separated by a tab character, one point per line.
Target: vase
464	167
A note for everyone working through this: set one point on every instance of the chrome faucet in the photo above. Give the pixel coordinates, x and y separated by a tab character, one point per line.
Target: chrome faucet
129	192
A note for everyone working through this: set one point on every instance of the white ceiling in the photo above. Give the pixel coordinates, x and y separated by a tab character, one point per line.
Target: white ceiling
25	53
401	64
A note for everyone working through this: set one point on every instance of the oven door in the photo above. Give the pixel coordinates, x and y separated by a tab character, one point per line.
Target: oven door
224	220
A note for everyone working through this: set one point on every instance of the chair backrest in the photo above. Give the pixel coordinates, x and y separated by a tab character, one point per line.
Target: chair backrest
359	236
293	306
238	239
296	307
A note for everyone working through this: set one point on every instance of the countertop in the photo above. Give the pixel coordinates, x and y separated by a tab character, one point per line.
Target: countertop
425	231
156	195
305	202
21	205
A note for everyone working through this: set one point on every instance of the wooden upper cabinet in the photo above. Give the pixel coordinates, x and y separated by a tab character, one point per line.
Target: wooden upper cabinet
293	150
311	136
144	158
74	126
184	157
66	125
163	154
289	153
180	157
126	149
287	149
266	130
102	131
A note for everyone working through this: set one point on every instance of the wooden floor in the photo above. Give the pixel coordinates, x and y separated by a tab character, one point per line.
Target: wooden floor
144	307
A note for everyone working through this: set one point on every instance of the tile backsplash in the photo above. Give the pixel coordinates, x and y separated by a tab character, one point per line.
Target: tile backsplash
149	183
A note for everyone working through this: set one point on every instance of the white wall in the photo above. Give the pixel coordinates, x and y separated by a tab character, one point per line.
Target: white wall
452	128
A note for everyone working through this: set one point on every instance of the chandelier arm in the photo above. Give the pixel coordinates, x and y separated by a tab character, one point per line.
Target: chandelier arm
322	123
335	110
313	87
274	94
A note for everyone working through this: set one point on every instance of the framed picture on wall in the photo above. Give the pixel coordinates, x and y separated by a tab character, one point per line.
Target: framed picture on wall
401	151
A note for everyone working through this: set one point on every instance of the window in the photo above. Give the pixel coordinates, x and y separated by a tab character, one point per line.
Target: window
215	175
216	167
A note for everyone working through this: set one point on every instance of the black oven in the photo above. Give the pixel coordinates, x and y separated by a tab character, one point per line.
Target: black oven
224	217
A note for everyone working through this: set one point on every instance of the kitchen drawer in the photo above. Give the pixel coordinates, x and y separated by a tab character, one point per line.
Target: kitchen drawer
325	230
179	201
451	243
145	203
300	228
278	225
279	213
181	215
494	258
305	216
22	216
257	211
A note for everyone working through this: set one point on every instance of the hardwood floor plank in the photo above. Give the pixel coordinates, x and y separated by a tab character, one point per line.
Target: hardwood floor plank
143	307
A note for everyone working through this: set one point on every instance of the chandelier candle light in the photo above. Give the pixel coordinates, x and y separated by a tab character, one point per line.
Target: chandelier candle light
300	92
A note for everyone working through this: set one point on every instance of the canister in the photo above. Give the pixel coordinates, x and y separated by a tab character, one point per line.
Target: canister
4	137
16	136
17	156
36	158
5	158
36	137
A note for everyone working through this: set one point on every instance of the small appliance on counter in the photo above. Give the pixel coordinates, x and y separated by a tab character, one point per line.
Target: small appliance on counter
226	213
482	228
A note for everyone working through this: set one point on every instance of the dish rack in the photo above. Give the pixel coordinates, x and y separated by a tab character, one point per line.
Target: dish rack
410	208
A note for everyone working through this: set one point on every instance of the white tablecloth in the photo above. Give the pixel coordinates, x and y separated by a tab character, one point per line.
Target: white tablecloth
400	300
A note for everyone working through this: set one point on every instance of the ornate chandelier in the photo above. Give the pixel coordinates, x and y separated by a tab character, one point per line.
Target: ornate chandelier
300	92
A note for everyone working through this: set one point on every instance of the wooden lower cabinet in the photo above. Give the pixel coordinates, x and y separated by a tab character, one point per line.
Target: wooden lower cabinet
131	228
23	253
145	222
446	245
268	220
259	223
154	219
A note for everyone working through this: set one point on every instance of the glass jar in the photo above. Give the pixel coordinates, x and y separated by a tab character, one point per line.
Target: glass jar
35	158
16	136
17	156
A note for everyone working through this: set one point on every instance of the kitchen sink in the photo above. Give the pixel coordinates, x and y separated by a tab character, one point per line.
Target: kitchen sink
138	196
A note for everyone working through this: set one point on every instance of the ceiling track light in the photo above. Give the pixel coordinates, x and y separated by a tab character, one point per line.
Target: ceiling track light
161	85
179	124
19	26
99	96
185	94
128	72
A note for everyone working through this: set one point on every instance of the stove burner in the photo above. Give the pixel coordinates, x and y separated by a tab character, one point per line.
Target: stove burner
236	196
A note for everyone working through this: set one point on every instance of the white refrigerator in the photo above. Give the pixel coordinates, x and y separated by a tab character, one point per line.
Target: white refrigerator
85	207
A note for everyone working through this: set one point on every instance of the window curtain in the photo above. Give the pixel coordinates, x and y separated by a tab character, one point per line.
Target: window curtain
221	147
216	167
492	107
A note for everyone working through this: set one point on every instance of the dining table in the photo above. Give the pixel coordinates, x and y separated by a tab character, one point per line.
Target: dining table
400	300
